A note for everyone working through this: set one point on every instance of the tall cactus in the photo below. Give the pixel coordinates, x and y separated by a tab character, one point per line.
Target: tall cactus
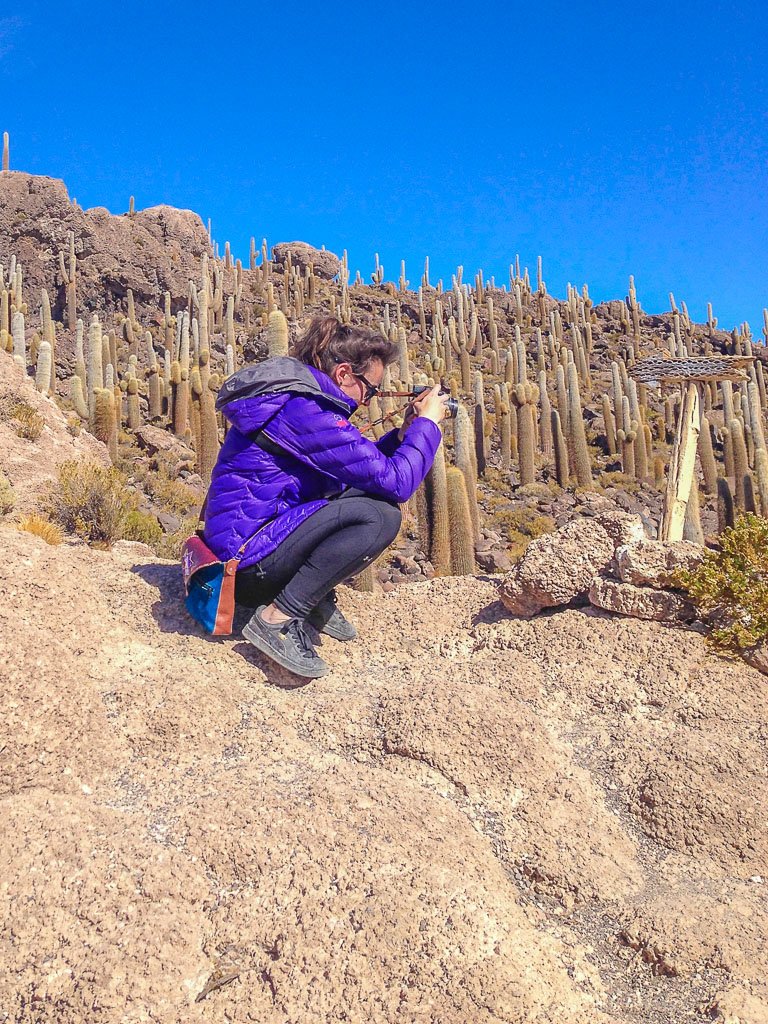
577	438
740	461
277	334
19	339
725	509
440	534
562	473
104	422
479	423
462	536
134	410
525	396
707	457
464	454
43	371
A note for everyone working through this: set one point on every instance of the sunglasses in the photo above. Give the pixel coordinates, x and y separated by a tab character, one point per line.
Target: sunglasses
371	390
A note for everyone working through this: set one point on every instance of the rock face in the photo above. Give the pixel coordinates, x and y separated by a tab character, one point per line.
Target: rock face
425	836
640	602
650	562
153	251
324	263
557	569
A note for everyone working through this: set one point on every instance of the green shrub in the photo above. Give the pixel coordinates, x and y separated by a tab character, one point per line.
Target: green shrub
91	501
730	587
173	495
142	526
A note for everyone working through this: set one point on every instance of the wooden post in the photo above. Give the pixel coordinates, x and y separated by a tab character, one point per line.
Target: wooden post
690	371
682	466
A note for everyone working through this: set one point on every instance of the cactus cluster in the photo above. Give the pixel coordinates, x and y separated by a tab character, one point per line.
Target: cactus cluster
540	401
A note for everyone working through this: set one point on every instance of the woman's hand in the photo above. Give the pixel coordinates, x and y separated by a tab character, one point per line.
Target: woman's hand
432	405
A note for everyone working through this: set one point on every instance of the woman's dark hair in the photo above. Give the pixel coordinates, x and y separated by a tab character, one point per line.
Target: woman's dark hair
328	342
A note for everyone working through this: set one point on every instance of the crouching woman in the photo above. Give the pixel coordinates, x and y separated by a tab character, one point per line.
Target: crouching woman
303	497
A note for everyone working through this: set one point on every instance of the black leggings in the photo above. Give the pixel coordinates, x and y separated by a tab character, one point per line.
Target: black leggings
335	542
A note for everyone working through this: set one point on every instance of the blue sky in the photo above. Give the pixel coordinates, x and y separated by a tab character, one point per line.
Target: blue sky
611	138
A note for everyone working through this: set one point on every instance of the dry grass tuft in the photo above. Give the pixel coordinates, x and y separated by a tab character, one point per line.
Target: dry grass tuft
26	422
40	527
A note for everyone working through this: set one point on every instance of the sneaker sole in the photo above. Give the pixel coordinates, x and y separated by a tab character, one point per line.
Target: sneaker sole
261	644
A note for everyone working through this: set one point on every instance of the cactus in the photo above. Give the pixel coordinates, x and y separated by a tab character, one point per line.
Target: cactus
692	526
19	339
95	362
6	151
440	534
78	398
545	418
561	451
626	440
525	395
740	461
761	469
479	423
577	438
209	434
43	371
461	530
134	411
707	457
750	501
179	399
725	509
610	426
277	334
367	581
104	422
466	370
464	454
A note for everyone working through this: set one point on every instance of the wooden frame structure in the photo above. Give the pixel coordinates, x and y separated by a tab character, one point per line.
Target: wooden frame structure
691	372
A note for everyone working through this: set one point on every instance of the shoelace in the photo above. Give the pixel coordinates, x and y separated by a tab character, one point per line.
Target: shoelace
296	630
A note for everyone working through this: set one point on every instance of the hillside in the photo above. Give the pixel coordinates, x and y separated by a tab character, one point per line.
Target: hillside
474	817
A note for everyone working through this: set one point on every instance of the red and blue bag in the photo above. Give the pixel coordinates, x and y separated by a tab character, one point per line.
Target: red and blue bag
210	586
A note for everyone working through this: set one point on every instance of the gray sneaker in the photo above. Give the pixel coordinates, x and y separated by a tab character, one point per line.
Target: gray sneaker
286	643
327	618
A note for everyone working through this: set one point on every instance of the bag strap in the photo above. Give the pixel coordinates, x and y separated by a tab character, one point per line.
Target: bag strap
264	443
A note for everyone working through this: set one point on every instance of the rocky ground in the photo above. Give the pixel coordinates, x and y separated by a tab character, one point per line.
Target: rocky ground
474	817
493	809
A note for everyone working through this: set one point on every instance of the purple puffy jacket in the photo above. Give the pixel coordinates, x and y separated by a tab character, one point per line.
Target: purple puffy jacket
258	497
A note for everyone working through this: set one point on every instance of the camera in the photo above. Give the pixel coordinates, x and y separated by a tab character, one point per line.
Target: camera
452	404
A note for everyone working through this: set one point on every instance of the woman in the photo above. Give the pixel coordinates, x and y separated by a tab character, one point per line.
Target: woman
301	494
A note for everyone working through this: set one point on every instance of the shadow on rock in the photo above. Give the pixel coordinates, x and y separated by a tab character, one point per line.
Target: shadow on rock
168	610
274	674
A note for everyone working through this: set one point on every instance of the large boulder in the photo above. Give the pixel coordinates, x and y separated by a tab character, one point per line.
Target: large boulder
557	568
650	563
324	263
640	602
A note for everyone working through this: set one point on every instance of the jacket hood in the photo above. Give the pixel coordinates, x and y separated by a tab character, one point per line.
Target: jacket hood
281	375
